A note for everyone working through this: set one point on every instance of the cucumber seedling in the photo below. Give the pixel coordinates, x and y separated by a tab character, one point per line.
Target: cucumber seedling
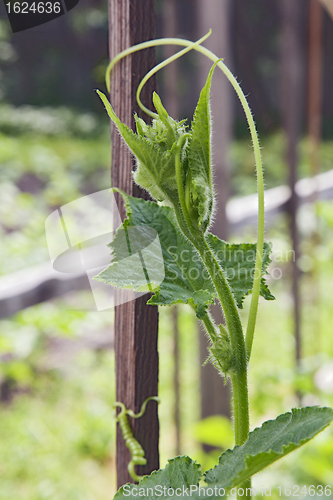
173	163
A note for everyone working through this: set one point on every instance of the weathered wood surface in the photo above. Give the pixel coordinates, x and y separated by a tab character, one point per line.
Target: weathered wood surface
292	99
315	81
136	324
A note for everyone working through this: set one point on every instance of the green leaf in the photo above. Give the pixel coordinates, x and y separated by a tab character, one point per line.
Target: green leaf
199	175
186	279
238	263
265	445
153	147
137	259
180	472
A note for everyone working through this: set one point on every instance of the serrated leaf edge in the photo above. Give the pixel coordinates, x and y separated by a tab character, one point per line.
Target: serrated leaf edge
239	478
157	472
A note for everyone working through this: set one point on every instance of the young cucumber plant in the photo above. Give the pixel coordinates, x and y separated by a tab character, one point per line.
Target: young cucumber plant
174	166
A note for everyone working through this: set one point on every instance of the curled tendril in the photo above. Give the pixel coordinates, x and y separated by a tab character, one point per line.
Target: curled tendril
137	452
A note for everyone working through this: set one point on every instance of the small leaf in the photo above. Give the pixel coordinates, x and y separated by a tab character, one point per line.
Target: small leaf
273	440
238	263
179	474
199	160
153	148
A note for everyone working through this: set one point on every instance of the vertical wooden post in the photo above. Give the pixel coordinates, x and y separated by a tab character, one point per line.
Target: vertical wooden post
291	65
314	122
314	96
136	324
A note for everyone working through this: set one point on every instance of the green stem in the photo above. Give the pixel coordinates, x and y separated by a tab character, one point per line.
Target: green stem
210	327
160	66
240	395
241	407
239	377
226	298
152	43
180	188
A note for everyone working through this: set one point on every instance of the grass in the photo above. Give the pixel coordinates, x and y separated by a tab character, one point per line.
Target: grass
56	441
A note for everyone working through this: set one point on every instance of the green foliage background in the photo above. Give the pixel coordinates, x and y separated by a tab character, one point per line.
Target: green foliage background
56	426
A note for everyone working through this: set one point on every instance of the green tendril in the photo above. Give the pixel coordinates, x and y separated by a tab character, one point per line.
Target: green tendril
137	452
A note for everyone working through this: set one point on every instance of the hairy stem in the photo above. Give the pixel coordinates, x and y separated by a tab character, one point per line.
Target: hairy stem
239	377
234	325
240	395
180	188
152	43
210	327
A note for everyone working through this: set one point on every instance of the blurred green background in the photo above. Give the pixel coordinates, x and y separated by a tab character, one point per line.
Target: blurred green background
57	430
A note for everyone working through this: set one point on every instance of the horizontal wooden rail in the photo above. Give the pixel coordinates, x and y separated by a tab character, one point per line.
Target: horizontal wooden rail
243	211
33	285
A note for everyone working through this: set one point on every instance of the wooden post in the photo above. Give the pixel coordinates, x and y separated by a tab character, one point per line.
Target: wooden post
314	123
136	324
314	97
291	66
